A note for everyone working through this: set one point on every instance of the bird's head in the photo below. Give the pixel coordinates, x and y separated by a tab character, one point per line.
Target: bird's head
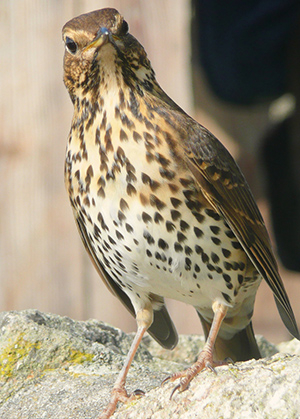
101	54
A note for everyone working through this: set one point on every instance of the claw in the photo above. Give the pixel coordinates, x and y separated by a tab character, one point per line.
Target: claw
210	367
168	378
138	393
174	390
179	388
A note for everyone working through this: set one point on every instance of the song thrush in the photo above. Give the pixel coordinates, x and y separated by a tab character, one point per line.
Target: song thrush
160	204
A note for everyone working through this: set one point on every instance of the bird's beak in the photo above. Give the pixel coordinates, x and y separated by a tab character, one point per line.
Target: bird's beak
103	36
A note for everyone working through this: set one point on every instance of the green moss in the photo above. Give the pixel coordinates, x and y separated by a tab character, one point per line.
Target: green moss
12	355
24	357
78	357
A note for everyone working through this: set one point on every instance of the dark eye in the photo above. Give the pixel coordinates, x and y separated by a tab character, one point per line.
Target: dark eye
124	29
71	45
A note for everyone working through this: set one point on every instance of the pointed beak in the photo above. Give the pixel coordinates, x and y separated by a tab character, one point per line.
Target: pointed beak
103	36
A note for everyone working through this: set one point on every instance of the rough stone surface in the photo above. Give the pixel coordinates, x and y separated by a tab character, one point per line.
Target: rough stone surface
55	367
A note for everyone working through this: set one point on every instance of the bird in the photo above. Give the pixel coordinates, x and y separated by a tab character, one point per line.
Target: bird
161	206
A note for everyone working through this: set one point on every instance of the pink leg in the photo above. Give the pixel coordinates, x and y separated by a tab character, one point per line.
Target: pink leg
119	394
205	358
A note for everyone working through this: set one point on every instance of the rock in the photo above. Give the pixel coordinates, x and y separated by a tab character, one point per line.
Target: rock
55	367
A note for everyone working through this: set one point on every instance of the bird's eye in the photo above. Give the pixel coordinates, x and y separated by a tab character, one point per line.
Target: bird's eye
125	28
71	45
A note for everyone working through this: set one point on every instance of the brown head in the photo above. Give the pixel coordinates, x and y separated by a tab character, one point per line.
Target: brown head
99	51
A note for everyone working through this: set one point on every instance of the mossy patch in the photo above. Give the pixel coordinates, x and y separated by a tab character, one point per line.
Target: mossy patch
24	356
12	356
78	357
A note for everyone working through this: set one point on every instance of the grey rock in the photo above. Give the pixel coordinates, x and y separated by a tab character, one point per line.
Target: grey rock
55	367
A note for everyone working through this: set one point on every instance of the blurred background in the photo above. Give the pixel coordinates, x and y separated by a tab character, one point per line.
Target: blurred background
42	261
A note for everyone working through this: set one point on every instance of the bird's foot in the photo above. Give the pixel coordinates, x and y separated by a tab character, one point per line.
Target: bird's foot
119	394
204	361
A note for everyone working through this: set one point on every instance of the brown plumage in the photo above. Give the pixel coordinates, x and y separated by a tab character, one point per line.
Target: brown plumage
161	206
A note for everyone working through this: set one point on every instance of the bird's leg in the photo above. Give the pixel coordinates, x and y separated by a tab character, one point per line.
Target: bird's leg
144	320
205	358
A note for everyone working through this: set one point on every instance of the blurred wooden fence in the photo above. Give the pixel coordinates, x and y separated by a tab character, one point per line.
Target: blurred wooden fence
42	261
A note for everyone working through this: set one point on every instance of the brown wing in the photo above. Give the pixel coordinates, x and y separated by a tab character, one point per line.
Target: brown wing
162	328
226	189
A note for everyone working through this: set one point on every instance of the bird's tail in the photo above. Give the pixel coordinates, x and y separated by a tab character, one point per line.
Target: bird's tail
241	347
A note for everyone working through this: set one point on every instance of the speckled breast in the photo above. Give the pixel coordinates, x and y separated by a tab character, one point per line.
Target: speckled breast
147	223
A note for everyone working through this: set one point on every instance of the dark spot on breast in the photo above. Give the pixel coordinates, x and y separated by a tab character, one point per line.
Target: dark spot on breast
158	217
199	217
175	215
136	136
104	121
226	297
148	181
166	174
188	194
181	237
235	266
213	214
173	187
123	135
226	253
86	201
175	202
188	250
101	221
178	248
198	249
130	189
215	258
241	266
123	205
97	231
216	240
128	228
162	244
170	226
236	245
204	257
101	192
185	182
229	234
97	136
188	264
144	200
146	217
112	241
162	160
156	202
119	235
148	137
227	266
157	255
184	225
148	237
121	216
101	181
215	229
227	278
198	232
